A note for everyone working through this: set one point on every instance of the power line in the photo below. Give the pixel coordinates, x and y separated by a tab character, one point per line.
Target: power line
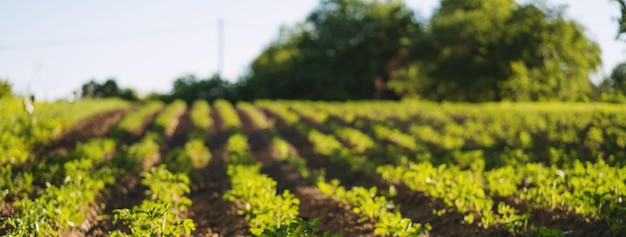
132	35
128	35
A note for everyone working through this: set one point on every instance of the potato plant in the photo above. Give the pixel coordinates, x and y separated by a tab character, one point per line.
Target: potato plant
265	210
158	213
135	120
62	206
21	131
229	115
201	120
365	202
548	158
551	150
163	122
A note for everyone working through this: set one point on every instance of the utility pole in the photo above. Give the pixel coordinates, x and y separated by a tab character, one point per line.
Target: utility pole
220	55
220	46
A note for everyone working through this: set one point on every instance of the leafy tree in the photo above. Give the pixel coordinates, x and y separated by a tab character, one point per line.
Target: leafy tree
613	88
127	94
605	92
622	20
618	77
189	88
108	89
337	53
486	50
5	89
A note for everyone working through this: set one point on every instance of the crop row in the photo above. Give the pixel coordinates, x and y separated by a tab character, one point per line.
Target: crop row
22	129
267	212
457	164
54	196
71	185
365	201
160	211
492	165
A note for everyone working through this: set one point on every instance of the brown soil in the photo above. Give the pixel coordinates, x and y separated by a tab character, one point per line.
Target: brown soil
417	206
420	206
368	129
176	133
133	136
6	209
97	125
180	134
212	215
560	219
127	192
334	216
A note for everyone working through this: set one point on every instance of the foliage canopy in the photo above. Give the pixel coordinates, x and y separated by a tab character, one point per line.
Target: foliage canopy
488	50
500	50
5	89
335	54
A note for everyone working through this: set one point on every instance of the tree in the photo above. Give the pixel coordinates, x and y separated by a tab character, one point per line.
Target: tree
189	88
622	20
617	79
613	88
335	54
492	50
109	89
128	94
5	89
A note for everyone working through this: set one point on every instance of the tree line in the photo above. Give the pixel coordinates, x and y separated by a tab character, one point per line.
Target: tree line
469	50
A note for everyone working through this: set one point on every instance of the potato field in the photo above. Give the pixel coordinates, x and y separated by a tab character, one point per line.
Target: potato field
301	168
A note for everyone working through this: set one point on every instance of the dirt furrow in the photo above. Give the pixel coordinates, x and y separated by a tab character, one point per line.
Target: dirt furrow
417	206
127	192
553	218
212	215
180	135
561	219
130	137
334	216
97	125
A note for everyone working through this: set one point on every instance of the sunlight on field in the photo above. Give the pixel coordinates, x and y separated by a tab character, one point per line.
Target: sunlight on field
288	167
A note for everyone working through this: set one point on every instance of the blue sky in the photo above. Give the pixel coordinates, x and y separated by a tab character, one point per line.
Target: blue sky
53	47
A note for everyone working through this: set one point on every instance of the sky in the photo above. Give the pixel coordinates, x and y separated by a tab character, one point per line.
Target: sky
51	48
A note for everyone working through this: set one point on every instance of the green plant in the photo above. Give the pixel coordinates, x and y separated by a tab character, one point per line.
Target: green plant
201	119
365	202
152	219
166	187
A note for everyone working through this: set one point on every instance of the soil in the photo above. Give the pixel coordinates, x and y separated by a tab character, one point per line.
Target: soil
180	135
97	125
561	219
420	206
212	215
335	217
417	206
127	192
